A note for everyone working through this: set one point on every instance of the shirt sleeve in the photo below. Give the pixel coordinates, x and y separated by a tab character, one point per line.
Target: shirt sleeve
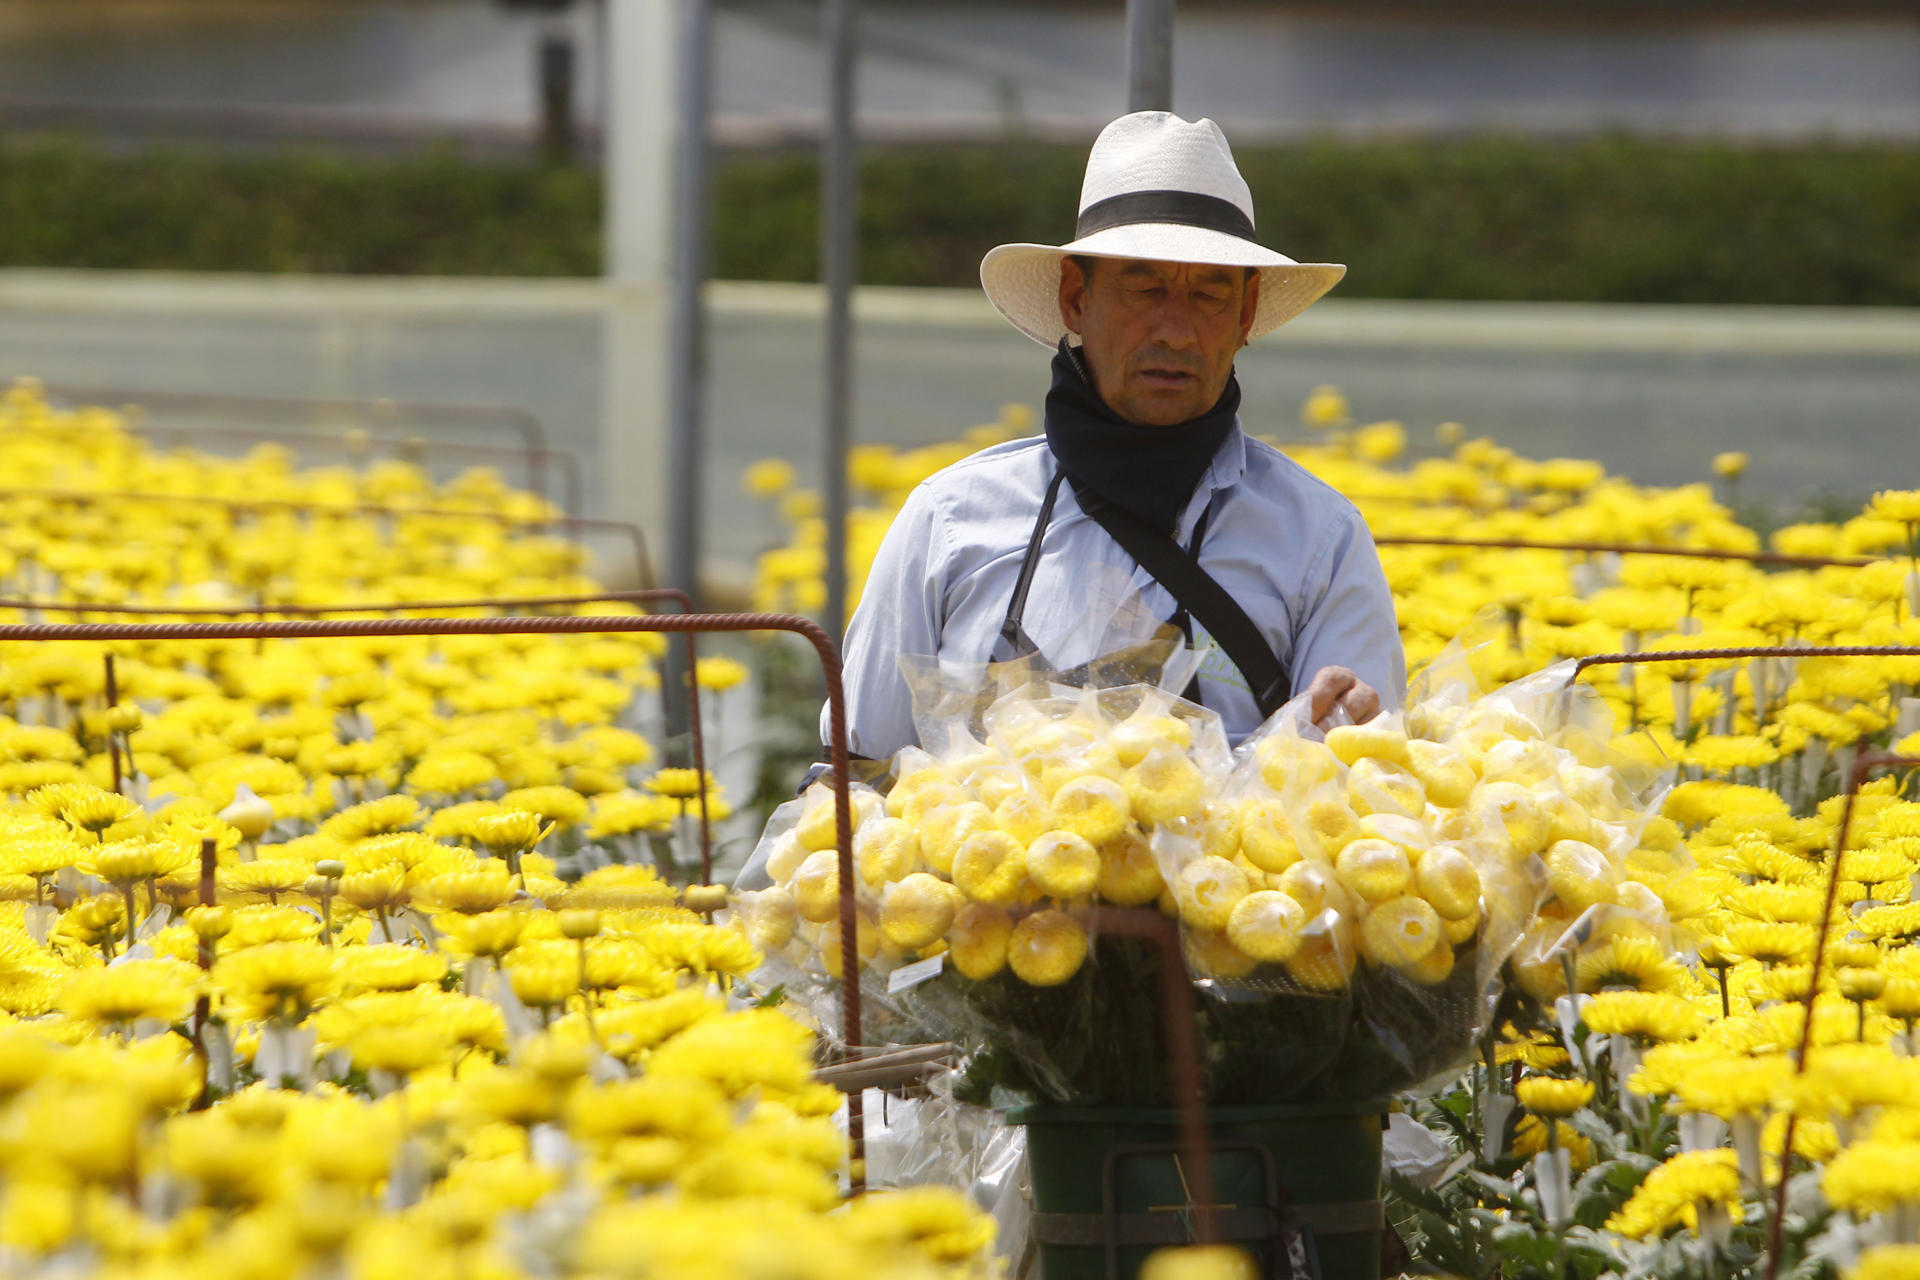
901	611
1352	623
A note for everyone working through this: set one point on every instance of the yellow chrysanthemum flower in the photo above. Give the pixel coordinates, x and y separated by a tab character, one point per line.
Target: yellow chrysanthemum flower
1094	808
1207	890
1063	865
1129	876
161	990
1548	1096
1266	926
1872	1177
918	910
991	866
1374	869
1047	948
1672	1195
1649	1015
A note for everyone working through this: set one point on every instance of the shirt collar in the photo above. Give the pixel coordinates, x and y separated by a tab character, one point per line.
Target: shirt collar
1228	466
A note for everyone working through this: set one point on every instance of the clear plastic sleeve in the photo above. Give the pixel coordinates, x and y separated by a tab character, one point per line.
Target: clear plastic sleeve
1351	900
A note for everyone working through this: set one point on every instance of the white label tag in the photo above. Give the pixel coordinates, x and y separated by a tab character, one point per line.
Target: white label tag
912	975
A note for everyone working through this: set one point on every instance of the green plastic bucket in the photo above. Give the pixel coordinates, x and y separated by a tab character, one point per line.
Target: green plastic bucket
1108	1187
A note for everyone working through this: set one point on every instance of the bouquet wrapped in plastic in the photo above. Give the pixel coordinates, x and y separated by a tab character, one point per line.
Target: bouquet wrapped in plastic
1347	901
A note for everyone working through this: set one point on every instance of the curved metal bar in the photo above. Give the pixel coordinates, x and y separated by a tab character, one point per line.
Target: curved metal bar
680	623
643	596
1183	1052
695	730
1748	651
1628	549
1865	764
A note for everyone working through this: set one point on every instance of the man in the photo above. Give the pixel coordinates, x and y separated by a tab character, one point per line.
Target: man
1144	502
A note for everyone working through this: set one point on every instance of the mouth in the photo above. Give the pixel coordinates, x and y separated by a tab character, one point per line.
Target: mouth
1168	379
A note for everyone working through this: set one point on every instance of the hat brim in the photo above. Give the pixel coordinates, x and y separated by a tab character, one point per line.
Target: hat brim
1023	280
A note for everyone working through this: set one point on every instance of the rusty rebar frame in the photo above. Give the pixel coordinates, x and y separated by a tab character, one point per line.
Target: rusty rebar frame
1650	656
642	563
695	730
683	623
262	609
1626	549
1863	764
1183	1048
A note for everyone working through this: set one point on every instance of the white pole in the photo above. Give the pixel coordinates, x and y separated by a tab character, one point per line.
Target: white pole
641	90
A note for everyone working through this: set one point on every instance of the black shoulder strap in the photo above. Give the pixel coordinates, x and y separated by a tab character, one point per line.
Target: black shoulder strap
1013	632
1180	573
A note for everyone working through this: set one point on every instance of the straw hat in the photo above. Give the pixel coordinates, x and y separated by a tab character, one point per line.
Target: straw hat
1161	188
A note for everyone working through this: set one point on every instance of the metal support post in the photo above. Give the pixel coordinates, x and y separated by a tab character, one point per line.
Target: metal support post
686	337
1150	55
556	65
838	246
685	397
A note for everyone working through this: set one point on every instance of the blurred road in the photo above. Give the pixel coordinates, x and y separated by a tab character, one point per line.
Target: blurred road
947	68
1824	401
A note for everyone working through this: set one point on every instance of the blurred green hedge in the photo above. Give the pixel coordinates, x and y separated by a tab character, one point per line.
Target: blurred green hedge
1600	219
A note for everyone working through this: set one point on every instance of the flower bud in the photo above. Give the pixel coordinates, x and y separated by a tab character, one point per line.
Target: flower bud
248	814
330	868
210	923
579	923
1862	984
124	718
1713	952
706	897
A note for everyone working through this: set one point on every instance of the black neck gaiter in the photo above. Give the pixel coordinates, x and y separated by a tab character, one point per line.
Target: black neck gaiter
1150	471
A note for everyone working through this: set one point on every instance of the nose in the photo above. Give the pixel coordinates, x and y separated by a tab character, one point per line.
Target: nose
1173	325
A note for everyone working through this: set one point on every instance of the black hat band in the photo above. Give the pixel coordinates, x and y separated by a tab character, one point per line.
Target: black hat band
1184	208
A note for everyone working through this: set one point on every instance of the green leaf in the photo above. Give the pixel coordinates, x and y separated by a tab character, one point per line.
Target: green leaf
1598	1193
1503	1192
1588	1124
1518	1240
1415	1194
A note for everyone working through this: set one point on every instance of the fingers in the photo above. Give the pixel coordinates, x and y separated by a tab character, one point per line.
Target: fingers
1330	685
1362	702
1338	687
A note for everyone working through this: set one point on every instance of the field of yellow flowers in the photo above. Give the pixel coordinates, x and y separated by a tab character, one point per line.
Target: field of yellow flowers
1704	1061
371	957
351	959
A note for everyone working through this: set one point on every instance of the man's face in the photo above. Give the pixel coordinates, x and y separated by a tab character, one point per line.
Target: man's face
1159	337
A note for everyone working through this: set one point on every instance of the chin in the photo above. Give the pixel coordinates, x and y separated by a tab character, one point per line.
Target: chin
1161	414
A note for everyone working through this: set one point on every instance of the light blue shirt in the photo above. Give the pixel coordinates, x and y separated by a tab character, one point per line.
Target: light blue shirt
1295	554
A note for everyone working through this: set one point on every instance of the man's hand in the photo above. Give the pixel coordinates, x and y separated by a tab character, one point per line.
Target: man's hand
1338	687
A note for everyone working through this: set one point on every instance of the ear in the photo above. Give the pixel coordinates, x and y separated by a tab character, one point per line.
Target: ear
1073	295
1249	305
